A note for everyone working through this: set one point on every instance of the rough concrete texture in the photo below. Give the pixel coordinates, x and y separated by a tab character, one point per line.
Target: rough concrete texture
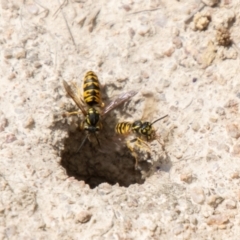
182	57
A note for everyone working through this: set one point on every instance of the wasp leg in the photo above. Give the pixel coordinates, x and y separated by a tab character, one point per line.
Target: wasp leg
102	104
97	140
136	160
160	141
134	154
67	114
83	141
142	144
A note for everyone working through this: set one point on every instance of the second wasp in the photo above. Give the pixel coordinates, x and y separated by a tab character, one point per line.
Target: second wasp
143	133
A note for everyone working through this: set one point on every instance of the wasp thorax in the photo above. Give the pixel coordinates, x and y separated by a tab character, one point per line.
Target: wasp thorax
92	117
136	126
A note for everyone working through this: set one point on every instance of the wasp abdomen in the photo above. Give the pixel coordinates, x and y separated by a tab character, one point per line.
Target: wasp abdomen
123	128
91	89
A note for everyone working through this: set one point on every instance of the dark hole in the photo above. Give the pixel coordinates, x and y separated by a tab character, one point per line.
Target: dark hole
96	167
110	166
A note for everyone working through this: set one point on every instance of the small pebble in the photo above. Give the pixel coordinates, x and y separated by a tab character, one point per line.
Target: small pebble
174	108
179	228
91	18
224	147
193	220
143	30
169	51
231	103
10	138
8	153
19	53
195	126
177	42
166	83
80	20
213	119
227	2
7	53
222	226
37	65
210	3
11	76
32	8
126	7
3	123
131	32
187	177
214	200
220	111
144	74
178	154
20	142
201	21
230	204
197	195
233	130
104	188
83	216
234	175
175	31
217	220
28	123
211	156
147	93
61	175
223	37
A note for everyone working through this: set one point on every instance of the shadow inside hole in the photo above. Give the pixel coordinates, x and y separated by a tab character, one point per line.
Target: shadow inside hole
95	167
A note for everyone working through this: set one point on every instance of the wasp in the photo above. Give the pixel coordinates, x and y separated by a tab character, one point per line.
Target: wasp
143	132
91	105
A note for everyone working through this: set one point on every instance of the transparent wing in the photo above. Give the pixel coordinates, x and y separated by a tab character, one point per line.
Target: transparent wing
75	93
112	143
119	100
150	109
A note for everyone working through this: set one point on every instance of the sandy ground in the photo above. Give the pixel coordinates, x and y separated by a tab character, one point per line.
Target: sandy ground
181	66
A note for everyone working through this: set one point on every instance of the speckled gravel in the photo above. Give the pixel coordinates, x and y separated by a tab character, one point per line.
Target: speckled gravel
186	189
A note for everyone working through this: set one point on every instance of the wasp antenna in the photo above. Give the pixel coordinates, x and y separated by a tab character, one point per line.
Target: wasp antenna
159	119
97	140
84	140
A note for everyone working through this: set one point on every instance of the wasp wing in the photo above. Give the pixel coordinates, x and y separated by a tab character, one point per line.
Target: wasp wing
119	100
75	93
149	109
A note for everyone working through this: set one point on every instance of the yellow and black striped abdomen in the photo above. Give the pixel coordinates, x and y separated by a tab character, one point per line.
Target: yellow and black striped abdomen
91	89
123	128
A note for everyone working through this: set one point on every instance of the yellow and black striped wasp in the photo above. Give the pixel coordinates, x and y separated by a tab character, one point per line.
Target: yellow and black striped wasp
143	132
91	106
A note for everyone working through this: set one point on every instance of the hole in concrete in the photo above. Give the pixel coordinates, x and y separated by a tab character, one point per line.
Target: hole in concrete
95	167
